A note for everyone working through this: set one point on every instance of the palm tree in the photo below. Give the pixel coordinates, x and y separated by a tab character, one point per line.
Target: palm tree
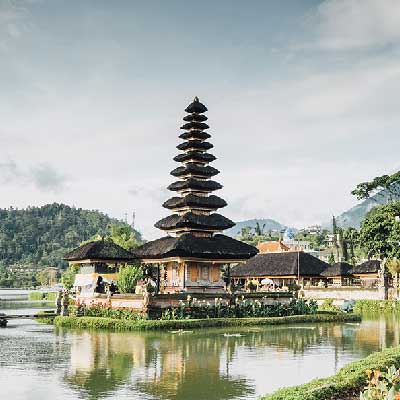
394	268
259	231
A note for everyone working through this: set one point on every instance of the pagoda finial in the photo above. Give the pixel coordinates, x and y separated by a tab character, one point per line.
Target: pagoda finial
196	99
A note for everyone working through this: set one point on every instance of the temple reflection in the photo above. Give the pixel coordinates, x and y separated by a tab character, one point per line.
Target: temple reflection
208	364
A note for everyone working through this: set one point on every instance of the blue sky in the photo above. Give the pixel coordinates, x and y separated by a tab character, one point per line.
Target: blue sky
303	99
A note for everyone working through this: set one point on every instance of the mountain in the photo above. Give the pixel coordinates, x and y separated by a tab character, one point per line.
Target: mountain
40	236
354	216
270	224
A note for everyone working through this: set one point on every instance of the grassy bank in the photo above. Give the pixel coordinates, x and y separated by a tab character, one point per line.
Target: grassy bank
129	325
347	383
42	296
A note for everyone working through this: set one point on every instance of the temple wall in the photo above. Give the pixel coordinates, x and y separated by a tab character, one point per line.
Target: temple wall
344	293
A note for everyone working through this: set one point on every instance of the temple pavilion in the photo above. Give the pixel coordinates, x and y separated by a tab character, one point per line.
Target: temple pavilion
195	253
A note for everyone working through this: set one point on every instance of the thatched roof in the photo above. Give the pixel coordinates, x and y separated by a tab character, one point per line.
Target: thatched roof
210	202
338	269
195	135
195	117
99	250
195	144
215	222
196	107
367	267
195	169
195	184
218	247
194	155
194	125
281	264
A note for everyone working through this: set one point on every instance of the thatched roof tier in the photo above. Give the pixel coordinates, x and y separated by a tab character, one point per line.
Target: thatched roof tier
280	264
196	107
190	220
195	117
218	247
194	125
337	270
196	156
195	145
100	250
195	169
199	202
194	184
367	267
191	135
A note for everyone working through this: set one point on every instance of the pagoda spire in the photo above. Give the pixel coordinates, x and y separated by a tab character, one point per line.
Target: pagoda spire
194	208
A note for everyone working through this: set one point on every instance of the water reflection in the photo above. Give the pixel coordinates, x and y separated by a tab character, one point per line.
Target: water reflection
204	364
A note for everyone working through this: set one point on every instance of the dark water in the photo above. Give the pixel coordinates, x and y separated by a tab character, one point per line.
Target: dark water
40	362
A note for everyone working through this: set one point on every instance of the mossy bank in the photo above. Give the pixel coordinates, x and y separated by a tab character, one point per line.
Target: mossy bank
137	325
346	384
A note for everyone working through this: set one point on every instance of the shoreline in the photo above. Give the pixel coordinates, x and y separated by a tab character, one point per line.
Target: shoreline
145	324
346	384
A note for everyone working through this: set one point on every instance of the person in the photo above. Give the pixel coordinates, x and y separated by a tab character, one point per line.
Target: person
113	288
100	285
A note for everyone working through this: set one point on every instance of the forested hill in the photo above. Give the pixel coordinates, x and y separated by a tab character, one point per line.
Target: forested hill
40	236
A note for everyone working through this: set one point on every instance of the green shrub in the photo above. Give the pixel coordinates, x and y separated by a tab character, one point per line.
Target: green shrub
349	380
376	306
36	296
143	324
193	308
108	312
328	305
127	278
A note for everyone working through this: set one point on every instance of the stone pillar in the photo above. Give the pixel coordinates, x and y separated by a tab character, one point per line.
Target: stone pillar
383	281
59	302
65	303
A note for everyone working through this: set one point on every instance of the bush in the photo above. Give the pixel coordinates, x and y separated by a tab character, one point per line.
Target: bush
128	277
328	305
347	383
242	308
42	296
143	324
108	312
376	306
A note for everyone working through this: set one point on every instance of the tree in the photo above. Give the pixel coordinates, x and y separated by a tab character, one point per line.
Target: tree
123	235
258	230
68	276
331	259
389	183
380	231
128	276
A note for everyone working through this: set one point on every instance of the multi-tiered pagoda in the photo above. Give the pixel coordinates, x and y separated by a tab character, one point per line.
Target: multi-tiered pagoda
193	256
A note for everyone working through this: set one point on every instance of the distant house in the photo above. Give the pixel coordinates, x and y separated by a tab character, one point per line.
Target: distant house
272	247
338	274
284	268
367	273
298	245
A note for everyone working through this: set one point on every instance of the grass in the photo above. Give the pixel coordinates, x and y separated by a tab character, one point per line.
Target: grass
376	306
129	325
348	382
42	296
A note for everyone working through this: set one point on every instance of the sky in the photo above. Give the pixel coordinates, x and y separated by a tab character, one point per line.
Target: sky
303	99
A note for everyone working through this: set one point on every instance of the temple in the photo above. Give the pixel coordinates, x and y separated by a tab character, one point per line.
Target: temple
194	255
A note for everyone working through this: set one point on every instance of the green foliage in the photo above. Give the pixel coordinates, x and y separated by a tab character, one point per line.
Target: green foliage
40	236
193	308
382	386
42	296
376	306
68	276
127	278
328	305
389	183
331	259
380	231
143	324
108	312
349	379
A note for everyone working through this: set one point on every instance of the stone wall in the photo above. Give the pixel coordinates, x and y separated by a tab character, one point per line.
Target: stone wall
344	293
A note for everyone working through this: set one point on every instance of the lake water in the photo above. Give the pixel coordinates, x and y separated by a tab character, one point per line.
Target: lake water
40	362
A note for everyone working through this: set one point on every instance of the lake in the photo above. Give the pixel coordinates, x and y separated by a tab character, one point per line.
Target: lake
40	362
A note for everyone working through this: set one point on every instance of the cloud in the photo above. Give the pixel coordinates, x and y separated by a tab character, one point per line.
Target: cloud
47	178
355	24
43	177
